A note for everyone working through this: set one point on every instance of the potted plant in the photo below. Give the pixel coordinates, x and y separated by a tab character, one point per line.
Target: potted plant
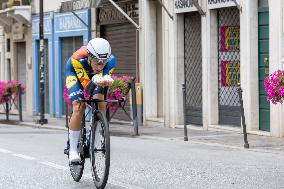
10	89
119	88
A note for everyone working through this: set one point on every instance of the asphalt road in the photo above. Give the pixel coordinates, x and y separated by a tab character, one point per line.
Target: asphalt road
33	158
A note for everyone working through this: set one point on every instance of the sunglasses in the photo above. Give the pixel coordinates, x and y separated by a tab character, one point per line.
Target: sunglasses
101	62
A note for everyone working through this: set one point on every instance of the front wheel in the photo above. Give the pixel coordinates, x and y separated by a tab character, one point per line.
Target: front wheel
100	149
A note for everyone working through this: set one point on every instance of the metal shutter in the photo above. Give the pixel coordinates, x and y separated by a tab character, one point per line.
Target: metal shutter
229	67
193	68
122	38
68	46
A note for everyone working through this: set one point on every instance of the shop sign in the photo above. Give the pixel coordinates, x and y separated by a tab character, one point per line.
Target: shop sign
184	6
110	15
230	73
46	26
69	22
229	38
68	6
215	4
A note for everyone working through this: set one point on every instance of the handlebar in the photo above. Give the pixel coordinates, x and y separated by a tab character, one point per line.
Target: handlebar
123	99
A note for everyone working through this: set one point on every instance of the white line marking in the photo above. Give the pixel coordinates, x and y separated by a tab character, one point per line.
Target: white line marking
5	151
24	156
50	164
60	167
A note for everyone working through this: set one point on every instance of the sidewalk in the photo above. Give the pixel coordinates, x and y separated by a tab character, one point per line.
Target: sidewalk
230	139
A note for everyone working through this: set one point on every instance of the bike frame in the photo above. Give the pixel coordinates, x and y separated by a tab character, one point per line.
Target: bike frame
93	105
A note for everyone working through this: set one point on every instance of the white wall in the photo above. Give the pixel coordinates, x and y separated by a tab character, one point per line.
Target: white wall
179	59
2	51
211	65
249	62
29	74
148	57
276	42
170	67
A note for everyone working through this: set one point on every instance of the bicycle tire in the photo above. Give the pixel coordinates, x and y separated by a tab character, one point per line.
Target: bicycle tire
100	119
77	169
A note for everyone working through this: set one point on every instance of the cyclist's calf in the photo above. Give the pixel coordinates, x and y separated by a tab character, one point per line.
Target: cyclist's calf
78	112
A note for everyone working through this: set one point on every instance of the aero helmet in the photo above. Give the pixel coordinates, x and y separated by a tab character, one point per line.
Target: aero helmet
99	48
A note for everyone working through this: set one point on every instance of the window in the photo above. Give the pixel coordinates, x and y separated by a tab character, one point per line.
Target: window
262	3
8	45
8	69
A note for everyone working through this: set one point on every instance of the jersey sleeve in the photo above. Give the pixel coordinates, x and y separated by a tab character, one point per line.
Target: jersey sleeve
110	66
80	72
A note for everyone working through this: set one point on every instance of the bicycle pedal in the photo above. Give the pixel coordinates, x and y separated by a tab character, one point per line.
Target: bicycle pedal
76	163
66	151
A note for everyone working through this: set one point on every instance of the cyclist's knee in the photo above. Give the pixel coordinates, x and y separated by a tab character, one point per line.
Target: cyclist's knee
99	96
101	105
78	109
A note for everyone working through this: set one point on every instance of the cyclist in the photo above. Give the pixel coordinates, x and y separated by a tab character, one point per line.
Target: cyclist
89	67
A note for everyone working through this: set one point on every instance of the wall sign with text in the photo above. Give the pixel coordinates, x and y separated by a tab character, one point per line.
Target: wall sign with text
215	4
184	6
68	22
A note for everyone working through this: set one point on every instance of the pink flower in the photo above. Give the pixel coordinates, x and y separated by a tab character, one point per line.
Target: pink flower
9	90
118	89
274	87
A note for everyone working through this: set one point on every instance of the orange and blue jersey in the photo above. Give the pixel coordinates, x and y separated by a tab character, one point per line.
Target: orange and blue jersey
79	73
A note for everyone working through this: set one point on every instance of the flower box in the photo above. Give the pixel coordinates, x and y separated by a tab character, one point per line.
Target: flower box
119	88
9	90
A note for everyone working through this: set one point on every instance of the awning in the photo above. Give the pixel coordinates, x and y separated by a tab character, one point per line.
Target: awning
15	14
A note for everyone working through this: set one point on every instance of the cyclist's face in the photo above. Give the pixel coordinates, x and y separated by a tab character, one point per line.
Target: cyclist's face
97	64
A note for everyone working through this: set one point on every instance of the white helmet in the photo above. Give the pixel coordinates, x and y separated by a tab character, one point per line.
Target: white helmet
99	48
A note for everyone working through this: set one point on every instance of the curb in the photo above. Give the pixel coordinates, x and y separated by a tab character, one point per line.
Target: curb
174	139
34	125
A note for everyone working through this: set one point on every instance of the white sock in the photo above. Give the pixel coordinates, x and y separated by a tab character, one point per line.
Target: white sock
73	140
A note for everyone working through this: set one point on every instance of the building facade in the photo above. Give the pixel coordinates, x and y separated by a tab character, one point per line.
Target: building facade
208	53
15	40
64	34
232	43
123	38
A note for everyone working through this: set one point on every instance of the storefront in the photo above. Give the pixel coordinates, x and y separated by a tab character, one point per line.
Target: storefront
69	35
192	69
121	34
224	63
64	33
